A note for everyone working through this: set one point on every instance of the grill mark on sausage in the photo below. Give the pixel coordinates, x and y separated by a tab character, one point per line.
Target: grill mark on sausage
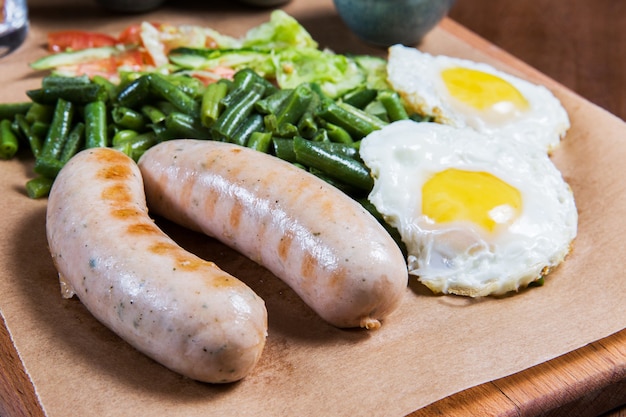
115	172
309	265
144	229
117	193
126	213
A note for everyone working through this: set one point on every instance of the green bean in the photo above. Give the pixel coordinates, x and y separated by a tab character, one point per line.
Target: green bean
307	125
76	93
342	168
96	125
160	131
39	113
321	136
338	134
191	86
168	91
270	122
9	110
272	102
53	81
230	119
75	141
137	145
123	136
342	149
295	105
246	77
40	128
59	129
48	167
254	123
8	140
360	98
182	126
283	149
107	85
260	141
112	129
34	141
211	106
287	130
392	103
128	118
135	93
357	122
38	187
166	107
154	114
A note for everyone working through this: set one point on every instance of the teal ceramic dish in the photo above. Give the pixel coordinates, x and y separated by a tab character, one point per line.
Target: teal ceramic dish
130	6
265	3
389	22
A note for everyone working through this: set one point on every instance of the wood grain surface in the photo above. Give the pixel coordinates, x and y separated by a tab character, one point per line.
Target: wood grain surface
580	43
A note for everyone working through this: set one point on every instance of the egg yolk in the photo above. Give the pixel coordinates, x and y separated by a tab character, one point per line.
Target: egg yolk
483	91
479	197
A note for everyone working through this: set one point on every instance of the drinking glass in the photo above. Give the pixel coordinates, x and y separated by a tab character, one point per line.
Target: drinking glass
13	24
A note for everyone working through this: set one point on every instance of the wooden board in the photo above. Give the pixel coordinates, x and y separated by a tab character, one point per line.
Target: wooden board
579	378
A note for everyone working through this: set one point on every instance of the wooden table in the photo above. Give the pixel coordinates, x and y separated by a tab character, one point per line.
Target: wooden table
581	44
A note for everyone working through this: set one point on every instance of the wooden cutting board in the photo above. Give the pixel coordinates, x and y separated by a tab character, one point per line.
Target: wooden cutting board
582	376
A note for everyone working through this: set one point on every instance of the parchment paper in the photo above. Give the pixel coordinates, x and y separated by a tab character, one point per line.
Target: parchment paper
432	347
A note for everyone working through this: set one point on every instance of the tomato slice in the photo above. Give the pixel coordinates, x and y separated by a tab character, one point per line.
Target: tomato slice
132	59
132	34
77	39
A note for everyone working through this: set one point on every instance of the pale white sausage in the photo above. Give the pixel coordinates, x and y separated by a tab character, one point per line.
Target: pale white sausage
181	310
323	244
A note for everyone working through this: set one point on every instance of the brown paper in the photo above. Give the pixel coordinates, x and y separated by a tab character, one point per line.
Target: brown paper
432	347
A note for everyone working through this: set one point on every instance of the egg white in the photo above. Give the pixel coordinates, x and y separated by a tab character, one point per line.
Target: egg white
460	257
417	77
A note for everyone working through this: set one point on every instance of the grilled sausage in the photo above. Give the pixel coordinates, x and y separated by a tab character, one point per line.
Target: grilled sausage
180	310
322	243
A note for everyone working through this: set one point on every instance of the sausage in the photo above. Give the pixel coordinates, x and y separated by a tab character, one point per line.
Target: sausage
180	310
323	244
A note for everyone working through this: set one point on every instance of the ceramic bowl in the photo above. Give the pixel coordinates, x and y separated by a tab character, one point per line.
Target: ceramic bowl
389	22
130	6
265	3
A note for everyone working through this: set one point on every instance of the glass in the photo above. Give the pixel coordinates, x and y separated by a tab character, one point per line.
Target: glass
13	24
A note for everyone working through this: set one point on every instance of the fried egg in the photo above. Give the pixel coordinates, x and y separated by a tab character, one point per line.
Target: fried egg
478	216
463	93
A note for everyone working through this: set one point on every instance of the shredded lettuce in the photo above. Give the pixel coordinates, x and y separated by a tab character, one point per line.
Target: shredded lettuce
206	59
335	74
282	49
280	32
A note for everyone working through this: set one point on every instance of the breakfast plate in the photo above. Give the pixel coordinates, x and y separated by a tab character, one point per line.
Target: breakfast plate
58	360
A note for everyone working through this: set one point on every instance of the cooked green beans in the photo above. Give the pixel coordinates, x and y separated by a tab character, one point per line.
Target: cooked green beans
230	119
96	125
8	140
10	110
167	90
299	125
345	169
356	121
59	129
212	105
